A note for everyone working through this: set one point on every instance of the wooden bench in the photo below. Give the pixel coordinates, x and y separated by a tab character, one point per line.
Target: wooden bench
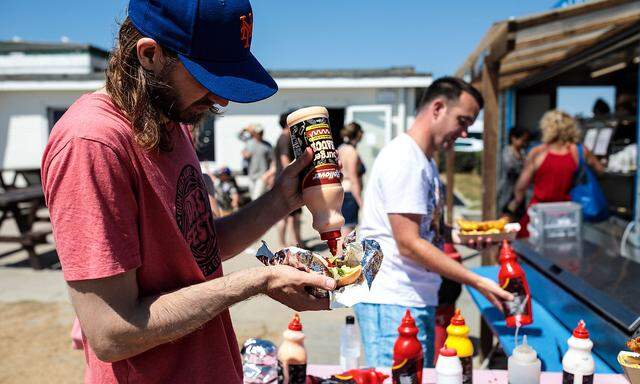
21	205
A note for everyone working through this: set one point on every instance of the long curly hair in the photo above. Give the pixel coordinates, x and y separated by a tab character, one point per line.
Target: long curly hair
134	90
559	127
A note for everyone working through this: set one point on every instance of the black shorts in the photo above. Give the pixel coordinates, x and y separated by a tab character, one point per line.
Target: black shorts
350	210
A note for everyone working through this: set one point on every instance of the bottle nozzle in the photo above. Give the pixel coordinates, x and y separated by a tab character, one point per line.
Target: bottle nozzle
295	324
331	238
457	318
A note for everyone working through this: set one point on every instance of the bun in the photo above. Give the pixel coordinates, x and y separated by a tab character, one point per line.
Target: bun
349	278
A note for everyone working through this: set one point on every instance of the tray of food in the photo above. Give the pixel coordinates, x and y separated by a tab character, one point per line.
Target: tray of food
495	230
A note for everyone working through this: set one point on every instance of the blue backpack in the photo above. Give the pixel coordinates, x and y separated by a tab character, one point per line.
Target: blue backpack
587	192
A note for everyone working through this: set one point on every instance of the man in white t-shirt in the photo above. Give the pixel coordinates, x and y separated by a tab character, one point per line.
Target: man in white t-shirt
403	211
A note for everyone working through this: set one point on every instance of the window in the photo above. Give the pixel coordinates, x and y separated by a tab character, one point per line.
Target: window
205	139
54	114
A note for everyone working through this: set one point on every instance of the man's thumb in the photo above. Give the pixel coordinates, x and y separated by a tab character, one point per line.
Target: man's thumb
321	281
301	162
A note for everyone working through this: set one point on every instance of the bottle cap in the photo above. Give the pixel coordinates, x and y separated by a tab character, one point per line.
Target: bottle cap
350	320
457	319
524	352
448	352
506	252
331	238
581	331
295	324
407	321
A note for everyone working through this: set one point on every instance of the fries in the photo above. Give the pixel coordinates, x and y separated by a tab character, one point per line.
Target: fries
491	227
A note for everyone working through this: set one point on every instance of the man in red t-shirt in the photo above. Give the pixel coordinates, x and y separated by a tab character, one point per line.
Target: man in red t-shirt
139	247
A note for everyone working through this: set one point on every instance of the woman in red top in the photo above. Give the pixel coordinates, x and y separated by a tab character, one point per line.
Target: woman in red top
552	165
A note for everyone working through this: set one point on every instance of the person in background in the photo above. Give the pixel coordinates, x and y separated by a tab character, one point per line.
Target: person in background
513	157
258	152
600	108
226	192
403	211
352	170
552	165
282	156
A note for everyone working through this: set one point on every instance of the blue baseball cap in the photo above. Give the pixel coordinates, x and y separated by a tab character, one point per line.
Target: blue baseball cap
212	39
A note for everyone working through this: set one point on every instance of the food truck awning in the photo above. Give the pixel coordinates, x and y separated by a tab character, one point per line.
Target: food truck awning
528	47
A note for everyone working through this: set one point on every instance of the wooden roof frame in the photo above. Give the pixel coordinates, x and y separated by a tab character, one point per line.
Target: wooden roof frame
526	46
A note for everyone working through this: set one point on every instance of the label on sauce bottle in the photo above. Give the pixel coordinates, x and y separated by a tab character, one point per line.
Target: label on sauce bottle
568	378
519	304
467	370
406	372
316	133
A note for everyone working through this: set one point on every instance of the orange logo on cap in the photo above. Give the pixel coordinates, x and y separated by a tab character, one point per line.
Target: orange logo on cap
246	29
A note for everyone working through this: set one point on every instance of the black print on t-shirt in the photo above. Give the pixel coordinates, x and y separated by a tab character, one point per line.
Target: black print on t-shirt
194	218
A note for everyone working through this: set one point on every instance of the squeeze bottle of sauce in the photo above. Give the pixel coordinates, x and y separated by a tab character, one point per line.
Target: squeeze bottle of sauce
523	365
320	182
292	356
458	339
512	279
407	353
577	363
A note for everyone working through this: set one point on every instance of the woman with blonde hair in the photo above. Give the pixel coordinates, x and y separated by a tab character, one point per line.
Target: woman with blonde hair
352	169
552	166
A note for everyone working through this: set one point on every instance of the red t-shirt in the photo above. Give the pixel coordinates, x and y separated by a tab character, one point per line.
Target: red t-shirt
115	207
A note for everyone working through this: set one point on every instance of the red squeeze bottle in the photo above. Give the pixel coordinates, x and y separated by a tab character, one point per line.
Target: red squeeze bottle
407	353
512	279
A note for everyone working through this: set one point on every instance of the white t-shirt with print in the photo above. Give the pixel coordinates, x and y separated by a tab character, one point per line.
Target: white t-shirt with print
403	180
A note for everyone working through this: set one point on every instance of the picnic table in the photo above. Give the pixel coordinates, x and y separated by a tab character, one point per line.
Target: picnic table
21	205
546	335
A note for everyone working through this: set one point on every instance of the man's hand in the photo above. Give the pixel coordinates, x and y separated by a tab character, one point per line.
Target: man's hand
480	244
287	185
286	285
492	291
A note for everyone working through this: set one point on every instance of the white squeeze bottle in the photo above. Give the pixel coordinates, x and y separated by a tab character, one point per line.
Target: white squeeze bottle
448	367
524	365
577	364
349	345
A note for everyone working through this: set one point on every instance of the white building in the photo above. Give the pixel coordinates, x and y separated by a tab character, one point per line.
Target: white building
38	81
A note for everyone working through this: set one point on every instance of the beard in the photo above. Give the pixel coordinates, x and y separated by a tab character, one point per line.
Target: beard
164	99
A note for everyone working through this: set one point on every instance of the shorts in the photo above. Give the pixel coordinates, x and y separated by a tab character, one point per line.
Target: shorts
350	210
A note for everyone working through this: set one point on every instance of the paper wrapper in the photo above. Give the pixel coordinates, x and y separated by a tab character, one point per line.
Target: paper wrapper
630	363
366	253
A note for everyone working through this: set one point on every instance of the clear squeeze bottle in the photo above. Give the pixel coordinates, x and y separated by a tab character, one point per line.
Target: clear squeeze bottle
513	279
320	182
292	355
458	339
577	363
523	365
349	345
407	353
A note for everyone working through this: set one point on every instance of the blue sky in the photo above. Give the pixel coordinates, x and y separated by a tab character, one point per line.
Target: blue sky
432	36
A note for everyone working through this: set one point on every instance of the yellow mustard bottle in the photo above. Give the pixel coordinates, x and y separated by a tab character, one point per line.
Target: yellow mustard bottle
458	339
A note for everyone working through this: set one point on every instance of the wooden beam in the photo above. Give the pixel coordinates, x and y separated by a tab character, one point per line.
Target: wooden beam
525	53
494	32
490	136
450	164
567	12
561	31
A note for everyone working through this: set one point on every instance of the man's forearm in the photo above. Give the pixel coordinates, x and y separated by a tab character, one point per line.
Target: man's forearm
436	261
251	222
161	319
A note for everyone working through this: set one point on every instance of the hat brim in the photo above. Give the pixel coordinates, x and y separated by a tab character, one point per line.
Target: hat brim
242	82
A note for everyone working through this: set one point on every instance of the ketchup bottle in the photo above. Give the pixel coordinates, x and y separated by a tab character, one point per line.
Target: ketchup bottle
512	279
407	353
